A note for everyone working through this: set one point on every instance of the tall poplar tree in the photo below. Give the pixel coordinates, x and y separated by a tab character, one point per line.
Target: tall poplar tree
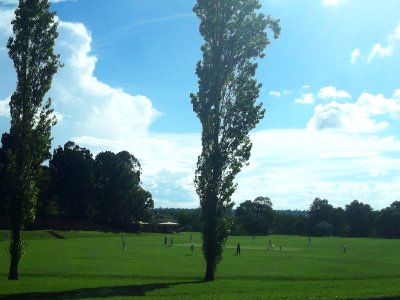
31	49
235	35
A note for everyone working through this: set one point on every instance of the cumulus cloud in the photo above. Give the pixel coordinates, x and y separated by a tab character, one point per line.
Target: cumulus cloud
378	50
396	34
355	55
355	117
6	17
293	167
305	99
275	94
97	109
287	92
330	92
5	108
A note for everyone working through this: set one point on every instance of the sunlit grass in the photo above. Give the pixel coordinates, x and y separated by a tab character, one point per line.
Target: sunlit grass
91	265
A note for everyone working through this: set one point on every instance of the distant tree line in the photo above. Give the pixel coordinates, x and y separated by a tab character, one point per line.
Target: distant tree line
75	186
355	220
257	217
107	189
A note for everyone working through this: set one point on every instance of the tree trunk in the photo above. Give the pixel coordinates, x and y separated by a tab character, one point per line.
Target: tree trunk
15	254
210	243
210	260
209	271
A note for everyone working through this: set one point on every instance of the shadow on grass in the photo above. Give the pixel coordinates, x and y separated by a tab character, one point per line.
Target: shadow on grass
98	292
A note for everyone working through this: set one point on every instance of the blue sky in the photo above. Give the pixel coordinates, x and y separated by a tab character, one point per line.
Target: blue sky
330	86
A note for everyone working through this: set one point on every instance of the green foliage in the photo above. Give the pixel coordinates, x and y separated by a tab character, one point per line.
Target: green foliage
289	223
359	218
121	198
321	211
387	222
72	175
255	217
31	50
234	34
3	175
106	189
47	205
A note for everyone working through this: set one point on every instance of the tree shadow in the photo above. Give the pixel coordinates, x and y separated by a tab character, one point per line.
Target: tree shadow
97	292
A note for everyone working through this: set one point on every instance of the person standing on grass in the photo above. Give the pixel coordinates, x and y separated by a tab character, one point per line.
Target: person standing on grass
344	247
165	240
192	249
238	249
270	245
123	243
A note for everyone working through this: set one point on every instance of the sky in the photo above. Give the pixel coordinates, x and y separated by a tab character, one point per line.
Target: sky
331	90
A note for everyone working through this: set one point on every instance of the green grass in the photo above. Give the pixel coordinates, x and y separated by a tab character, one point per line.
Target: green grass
92	265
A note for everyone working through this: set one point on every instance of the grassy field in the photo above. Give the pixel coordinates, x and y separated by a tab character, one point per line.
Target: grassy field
92	265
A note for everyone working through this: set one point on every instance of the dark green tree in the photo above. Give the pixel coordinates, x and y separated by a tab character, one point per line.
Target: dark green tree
320	211
72	173
5	141
31	49
121	198
235	35
47	205
289	223
359	219
387	222
255	217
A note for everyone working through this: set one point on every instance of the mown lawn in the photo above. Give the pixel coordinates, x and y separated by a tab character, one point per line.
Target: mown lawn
92	265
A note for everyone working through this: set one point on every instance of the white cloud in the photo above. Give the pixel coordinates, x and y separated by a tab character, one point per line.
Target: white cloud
275	94
304	87
5	108
378	50
94	141
98	109
305	99
330	92
295	166
355	117
396	34
6	17
287	92
355	55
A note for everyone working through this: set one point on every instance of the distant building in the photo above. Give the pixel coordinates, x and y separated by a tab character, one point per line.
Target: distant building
165	225
324	228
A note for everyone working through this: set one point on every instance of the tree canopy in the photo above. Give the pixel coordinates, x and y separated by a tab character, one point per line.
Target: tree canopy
234	36
31	50
256	216
72	172
121	198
